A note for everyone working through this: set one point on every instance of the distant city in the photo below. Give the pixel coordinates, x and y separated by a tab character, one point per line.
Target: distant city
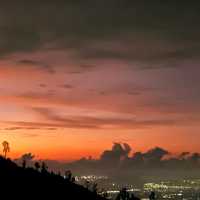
175	189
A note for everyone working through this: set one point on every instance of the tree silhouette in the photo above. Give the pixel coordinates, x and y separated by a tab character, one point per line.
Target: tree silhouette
25	158
44	168
37	166
69	177
6	148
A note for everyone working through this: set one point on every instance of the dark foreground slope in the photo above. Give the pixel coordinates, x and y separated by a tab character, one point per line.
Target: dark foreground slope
27	183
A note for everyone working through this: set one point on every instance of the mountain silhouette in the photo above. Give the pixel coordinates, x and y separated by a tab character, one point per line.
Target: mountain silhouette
27	183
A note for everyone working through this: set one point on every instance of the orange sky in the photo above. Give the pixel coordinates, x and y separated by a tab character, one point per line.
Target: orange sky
66	115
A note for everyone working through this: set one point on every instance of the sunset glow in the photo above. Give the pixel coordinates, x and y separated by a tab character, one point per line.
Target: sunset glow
80	87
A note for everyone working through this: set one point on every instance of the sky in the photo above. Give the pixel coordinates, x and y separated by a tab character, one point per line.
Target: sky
77	76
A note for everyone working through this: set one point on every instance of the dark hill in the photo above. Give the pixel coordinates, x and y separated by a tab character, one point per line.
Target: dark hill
28	183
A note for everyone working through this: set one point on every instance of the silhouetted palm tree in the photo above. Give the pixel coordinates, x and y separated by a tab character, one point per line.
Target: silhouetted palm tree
6	148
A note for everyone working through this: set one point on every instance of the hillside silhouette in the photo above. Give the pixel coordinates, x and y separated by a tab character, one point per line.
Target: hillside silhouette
27	183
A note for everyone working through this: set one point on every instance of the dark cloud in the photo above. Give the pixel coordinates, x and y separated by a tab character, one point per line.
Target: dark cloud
42	85
152	34
66	86
155	154
115	155
125	88
14	128
37	65
119	156
28	126
99	122
184	155
48	125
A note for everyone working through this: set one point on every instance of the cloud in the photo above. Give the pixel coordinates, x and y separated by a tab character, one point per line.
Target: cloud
42	85
50	119
155	154
28	126
104	30
14	128
184	155
47	125
100	122
37	65
66	86
116	154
